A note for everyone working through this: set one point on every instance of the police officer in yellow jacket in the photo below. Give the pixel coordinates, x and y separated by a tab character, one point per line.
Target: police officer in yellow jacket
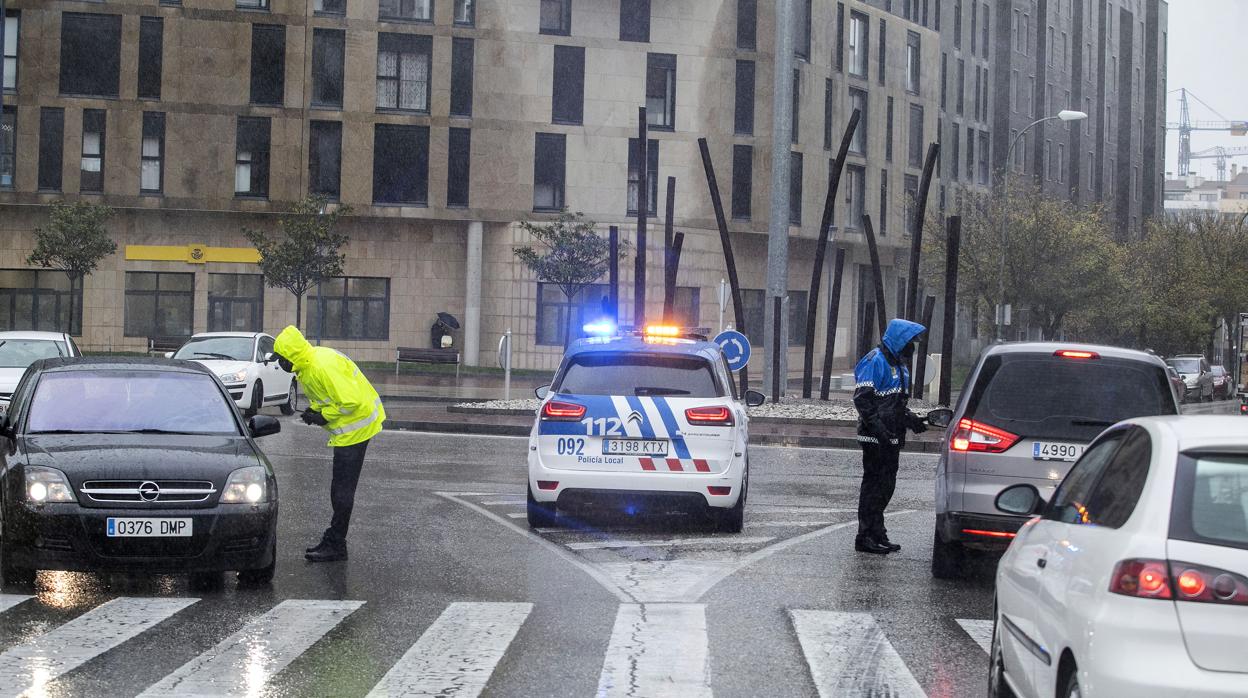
344	403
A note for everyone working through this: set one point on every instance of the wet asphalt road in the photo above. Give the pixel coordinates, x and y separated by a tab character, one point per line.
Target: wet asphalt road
437	522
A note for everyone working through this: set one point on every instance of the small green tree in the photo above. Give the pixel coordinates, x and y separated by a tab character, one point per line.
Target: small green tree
306	252
569	253
74	241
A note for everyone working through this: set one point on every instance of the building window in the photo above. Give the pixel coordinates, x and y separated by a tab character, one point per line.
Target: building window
555	17
235	302
888	131
152	158
1014	87
462	54
743	114
855	195
840	37
327	56
913	55
970	154
858	100
244	4
90	54
797	317
410	10
742	181
961	96
687	306
753	302
459	157
1048	160
39	301
983	30
661	91
350	307
1061	162
151	49
1050	46
325	158
159	304
944	79
8	146
797	106
268	63
828	107
635	20
94	127
911	199
51	147
251	158
12	28
652	176
795	188
400	164
329	7
568	85
555	312
883	223
915	149
465	12
549	165
955	170
747	24
957	23
801	37
402	72
858	30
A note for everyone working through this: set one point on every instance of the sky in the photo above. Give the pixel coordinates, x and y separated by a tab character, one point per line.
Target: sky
1206	55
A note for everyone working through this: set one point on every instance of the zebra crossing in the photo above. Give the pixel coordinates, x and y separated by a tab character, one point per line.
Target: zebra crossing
654	649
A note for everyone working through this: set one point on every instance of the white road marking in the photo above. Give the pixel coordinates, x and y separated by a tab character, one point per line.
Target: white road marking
8	601
782	509
504	502
41	659
664	580
979	630
515	515
756	524
669	543
242	663
457	654
656	650
848	655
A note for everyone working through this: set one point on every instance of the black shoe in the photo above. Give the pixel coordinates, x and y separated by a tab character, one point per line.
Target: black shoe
326	553
893	547
319	546
870	545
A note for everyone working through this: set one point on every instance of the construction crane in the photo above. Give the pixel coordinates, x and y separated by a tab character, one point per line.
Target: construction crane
1185	126
1221	154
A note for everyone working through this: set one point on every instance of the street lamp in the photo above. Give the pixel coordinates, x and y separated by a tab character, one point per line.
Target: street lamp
1063	115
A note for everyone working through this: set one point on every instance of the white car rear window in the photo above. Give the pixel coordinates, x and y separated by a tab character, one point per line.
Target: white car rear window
619	373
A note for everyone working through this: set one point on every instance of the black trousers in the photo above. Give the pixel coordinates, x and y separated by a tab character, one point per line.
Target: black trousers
879	479
348	462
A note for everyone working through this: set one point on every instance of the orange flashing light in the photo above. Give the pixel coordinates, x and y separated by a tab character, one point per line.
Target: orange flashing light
662	331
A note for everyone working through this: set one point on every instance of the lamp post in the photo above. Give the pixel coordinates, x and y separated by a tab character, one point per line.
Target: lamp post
1063	115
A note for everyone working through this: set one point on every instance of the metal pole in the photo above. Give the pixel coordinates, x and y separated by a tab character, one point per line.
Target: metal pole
669	271
920	355
507	369
781	145
777	313
834	311
613	272
881	311
725	241
669	290
1002	214
911	309
952	248
643	194
723	290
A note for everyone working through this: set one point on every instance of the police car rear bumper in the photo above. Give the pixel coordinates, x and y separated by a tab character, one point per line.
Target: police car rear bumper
548	484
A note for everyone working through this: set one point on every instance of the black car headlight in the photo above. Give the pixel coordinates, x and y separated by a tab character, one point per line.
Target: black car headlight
45	485
248	485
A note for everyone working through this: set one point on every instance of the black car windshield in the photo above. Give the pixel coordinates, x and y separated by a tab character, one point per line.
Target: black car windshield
1185	365
221	348
20	353
638	374
108	401
1041	395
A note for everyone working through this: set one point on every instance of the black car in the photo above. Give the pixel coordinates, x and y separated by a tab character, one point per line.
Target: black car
133	464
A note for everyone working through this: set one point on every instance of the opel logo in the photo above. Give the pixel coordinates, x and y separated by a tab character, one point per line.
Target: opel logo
635	417
149	491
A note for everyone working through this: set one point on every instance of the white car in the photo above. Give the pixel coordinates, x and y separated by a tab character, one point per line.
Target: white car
631	419
238	360
19	349
1133	580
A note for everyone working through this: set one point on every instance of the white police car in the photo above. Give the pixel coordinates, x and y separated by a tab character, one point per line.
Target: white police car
643	418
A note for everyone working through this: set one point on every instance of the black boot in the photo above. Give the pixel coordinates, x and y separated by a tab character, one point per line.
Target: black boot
866	544
319	546
327	552
892	547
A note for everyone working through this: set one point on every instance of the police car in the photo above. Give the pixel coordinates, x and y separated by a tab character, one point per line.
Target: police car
641	417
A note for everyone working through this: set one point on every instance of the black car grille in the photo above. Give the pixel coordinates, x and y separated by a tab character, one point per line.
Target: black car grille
148	491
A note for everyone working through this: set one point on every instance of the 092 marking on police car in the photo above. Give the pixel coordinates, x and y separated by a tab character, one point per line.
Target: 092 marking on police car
1050	450
634	447
119	527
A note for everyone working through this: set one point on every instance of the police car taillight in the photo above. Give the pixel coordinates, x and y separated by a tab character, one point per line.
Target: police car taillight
710	416
557	411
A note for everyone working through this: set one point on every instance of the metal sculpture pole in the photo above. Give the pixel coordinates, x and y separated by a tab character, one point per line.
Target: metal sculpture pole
613	272
643	191
776	324
911	309
920	354
825	231
669	291
834	312
669	272
730	261
952	247
881	310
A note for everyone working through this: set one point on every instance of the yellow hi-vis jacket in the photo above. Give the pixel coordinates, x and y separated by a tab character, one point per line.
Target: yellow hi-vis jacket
335	387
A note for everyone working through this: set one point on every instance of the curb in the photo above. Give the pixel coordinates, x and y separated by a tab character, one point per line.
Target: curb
436	398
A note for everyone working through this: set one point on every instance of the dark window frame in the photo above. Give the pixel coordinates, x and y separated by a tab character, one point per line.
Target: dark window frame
228	304
36	291
661	67
565	18
403	46
652	178
858	144
567	94
317	301
635	20
855	196
742	181
8	147
153	127
97	74
458	167
463	60
743	99
51	148
247	132
864	52
551	299
328	68
401	176
268	66
317	177
914	63
795	131
151	49
829	107
456	11
550	172
801	37
914	144
747	31
14	36
400	16
157	328
796	167
92	181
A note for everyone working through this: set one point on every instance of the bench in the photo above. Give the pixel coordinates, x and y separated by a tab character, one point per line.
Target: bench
164	345
426	356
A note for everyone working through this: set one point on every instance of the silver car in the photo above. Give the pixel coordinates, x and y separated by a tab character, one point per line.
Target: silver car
1025	415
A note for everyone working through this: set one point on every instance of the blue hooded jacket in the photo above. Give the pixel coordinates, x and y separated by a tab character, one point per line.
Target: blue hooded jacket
882	385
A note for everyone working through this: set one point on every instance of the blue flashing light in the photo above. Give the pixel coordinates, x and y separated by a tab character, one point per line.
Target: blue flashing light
601	328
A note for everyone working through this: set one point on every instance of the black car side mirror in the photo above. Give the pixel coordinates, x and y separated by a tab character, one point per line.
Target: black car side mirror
940	417
263	425
753	398
1020	500
541	392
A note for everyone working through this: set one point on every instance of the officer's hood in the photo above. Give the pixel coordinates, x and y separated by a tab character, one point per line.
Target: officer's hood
896	337
291	344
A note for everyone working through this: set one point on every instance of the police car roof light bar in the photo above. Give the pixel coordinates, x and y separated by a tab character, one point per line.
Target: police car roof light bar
599	328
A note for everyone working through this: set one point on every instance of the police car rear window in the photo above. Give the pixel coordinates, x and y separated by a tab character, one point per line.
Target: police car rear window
639	374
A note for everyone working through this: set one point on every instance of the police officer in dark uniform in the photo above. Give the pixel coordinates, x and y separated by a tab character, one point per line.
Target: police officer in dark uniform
882	387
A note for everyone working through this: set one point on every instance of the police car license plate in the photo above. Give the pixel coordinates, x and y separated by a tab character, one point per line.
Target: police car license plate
1049	450
118	527
634	447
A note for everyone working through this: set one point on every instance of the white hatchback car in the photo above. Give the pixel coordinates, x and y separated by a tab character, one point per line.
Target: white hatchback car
1133	580
19	349
238	360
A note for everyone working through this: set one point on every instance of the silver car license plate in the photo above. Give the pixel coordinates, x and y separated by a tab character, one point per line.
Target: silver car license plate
125	527
1052	450
634	447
